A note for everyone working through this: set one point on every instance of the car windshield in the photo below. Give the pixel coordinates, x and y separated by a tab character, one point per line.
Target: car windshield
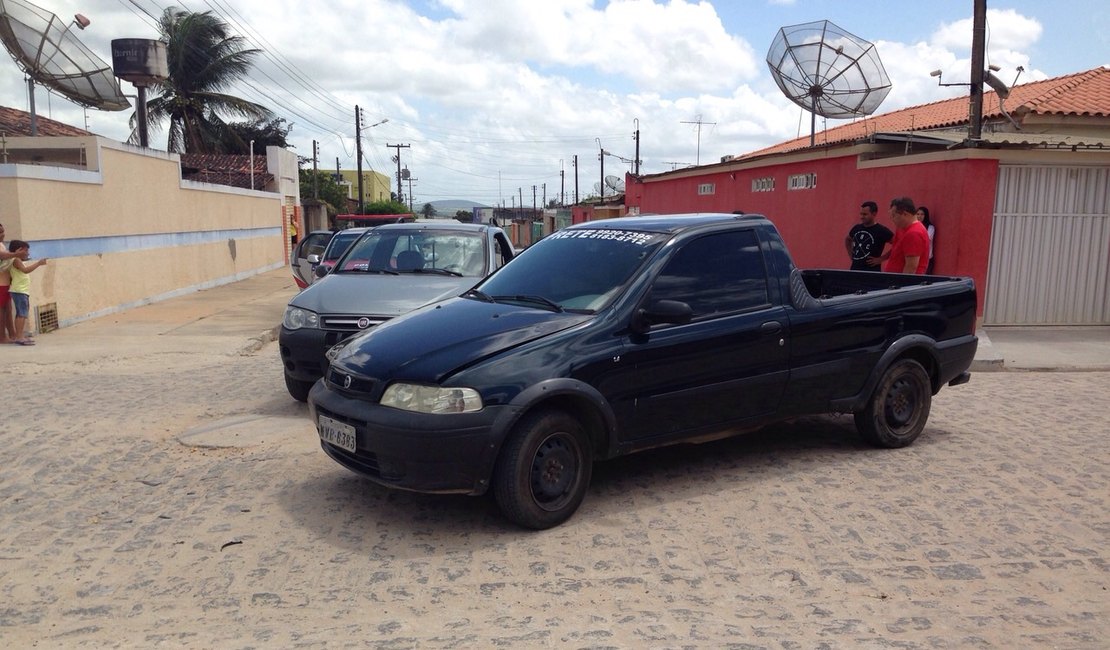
417	250
339	245
580	270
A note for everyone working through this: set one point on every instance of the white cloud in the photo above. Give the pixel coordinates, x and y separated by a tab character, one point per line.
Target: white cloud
484	89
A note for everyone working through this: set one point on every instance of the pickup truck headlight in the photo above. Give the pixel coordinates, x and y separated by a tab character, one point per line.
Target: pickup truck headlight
295	318
431	399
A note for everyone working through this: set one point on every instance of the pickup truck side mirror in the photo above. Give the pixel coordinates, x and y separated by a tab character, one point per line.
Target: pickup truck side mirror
313	259
663	311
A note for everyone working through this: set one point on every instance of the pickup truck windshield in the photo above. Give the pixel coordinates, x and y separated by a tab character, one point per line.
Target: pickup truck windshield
446	252
576	270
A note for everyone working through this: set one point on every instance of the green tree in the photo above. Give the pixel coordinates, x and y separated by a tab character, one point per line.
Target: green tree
428	211
465	216
237	136
203	59
331	192
385	207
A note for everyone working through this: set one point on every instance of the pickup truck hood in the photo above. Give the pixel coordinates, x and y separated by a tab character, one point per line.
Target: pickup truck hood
432	343
378	295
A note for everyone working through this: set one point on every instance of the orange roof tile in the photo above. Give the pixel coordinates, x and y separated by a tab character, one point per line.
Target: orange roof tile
1083	93
225	169
14	122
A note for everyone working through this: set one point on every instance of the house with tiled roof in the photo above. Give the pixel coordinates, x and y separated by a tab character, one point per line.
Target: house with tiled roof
1024	208
160	223
226	169
14	122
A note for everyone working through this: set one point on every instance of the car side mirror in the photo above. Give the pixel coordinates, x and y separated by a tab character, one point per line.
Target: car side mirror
320	271
313	259
674	312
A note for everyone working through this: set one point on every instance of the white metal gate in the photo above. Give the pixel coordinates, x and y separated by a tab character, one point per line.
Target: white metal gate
1050	247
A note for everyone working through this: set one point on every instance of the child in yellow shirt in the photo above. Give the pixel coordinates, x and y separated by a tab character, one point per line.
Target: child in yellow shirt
21	289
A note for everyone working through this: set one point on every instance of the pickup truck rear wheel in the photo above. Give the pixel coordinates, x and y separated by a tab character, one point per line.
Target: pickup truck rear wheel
543	471
298	389
899	407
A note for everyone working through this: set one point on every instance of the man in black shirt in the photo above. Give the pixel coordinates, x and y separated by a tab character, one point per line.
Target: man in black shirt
867	239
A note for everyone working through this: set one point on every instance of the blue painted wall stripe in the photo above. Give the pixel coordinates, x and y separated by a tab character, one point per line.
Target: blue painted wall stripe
80	246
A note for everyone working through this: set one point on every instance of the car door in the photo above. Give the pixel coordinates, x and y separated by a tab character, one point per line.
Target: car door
313	243
727	365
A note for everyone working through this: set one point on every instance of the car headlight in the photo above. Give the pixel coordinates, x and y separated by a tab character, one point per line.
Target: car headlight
295	318
431	399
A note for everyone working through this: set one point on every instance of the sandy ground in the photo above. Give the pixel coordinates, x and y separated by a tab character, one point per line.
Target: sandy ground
181	500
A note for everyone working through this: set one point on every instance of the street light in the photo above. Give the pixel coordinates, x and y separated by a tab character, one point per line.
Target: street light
358	150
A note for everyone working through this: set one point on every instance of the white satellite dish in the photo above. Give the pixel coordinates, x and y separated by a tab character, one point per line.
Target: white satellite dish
615	183
44	47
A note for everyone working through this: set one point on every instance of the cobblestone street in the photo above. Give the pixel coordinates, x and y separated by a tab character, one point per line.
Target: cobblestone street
991	531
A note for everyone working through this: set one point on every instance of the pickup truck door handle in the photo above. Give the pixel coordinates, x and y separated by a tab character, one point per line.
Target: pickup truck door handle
771	327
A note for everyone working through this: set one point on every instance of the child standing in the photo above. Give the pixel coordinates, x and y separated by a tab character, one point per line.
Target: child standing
21	288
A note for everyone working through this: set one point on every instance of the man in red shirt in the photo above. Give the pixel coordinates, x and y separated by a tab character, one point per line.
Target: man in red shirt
909	250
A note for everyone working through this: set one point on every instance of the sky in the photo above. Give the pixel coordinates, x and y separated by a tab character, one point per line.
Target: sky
494	97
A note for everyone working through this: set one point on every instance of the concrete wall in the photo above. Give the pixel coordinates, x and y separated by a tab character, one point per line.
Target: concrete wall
126	230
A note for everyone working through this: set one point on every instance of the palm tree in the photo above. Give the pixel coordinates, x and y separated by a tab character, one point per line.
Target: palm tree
203	59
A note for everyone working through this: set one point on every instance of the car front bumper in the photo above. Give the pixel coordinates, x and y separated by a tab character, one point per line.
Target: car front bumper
415	451
302	350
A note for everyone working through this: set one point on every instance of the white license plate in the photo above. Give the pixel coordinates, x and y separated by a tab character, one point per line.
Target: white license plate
337	433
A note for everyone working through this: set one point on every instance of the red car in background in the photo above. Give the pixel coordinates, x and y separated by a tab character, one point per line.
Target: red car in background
338	245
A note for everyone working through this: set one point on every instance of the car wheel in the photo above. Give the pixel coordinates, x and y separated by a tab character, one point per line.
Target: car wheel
543	471
297	388
899	407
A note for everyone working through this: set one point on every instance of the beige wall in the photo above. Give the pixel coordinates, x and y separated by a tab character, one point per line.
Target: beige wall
133	232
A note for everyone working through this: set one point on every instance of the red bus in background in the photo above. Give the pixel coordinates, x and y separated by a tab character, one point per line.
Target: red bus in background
344	221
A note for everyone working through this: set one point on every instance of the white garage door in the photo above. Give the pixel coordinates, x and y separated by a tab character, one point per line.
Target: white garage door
1050	247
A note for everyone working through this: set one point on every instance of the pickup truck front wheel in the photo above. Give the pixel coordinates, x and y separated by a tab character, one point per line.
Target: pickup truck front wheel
543	471
899	407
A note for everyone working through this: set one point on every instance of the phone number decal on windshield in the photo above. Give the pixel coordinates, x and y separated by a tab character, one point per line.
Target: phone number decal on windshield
623	236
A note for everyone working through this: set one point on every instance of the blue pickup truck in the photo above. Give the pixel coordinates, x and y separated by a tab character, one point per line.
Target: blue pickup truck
612	337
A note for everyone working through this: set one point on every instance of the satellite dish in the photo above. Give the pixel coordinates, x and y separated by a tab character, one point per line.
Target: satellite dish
827	71
615	183
48	52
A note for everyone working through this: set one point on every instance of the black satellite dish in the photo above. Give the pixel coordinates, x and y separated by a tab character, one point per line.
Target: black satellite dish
828	71
49	53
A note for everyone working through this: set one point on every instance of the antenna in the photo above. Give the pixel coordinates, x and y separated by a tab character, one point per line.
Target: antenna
43	46
698	121
828	71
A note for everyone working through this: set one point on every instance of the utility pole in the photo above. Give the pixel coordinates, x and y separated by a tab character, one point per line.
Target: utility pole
400	191
358	153
601	157
636	137
699	123
562	185
543	203
576	179
520	195
533	201
315	172
978	58
408	175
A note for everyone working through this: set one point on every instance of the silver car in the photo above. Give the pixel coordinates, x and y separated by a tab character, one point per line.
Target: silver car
388	271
